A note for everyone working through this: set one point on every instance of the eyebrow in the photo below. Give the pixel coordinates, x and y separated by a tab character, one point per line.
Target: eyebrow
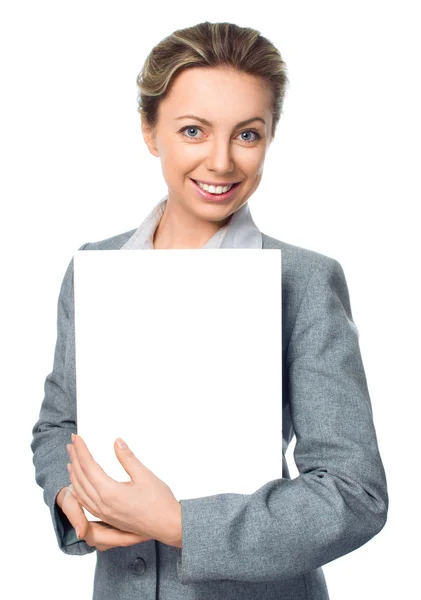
209	124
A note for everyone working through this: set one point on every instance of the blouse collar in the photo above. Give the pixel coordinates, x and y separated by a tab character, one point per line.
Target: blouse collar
239	232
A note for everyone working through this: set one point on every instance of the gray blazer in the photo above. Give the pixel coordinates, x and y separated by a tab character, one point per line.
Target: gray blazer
270	544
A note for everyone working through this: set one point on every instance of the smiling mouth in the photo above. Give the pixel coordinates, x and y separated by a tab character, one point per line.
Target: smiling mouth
215	195
233	184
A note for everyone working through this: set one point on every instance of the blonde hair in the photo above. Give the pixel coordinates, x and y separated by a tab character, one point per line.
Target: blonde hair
207	44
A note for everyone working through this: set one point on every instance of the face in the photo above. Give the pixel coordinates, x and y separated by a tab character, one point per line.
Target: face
220	151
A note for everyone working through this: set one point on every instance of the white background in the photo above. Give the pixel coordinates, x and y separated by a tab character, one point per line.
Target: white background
341	178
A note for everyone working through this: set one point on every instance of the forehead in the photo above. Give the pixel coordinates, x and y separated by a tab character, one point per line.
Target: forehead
216	92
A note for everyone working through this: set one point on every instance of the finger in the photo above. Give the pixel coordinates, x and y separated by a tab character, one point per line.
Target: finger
105	535
74	512
81	495
92	539
87	504
81	475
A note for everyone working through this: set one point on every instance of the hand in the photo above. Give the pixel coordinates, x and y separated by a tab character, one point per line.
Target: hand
104	536
95	533
72	509
144	506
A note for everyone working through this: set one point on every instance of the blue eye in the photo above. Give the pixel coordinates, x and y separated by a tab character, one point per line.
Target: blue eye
189	128
251	131
194	127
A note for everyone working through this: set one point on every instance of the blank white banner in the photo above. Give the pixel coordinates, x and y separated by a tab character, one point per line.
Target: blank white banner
179	352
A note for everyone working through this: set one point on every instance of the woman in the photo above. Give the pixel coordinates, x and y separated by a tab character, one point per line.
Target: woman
210	100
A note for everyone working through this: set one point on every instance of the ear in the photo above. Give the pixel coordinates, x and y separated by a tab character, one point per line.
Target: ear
149	137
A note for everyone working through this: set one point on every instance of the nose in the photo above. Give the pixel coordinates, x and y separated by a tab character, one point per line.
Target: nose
219	158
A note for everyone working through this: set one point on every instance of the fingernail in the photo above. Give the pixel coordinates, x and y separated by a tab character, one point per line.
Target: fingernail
77	532
121	443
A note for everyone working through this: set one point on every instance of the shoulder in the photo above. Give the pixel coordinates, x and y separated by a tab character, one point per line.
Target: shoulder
111	243
297	261
312	275
300	263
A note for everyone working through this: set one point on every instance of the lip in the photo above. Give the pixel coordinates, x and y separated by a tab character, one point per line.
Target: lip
216	197
215	184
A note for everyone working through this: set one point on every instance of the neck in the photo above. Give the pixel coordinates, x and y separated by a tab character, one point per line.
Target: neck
180	229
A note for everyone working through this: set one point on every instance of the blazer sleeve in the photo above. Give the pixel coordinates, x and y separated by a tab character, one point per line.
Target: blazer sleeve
339	501
57	421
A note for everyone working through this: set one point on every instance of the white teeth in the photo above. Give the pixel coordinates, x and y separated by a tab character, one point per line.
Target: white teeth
214	190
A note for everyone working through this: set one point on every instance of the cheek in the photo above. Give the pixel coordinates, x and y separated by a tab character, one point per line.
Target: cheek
254	165
250	159
180	158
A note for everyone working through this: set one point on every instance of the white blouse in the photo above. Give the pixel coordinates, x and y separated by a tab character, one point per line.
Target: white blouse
239	232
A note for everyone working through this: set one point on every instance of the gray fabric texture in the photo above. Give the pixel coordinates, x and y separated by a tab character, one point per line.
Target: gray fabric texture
270	544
